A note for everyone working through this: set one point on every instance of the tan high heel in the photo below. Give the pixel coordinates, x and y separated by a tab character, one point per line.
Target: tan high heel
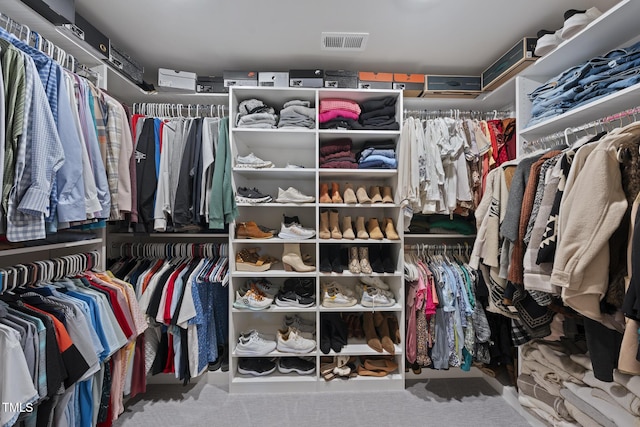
389	230
373	228
292	259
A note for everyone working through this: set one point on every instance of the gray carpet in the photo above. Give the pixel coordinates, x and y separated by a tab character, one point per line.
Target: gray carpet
442	402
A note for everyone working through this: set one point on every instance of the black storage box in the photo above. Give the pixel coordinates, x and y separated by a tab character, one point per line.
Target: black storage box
90	34
341	79
306	78
511	63
210	84
126	64
56	11
451	86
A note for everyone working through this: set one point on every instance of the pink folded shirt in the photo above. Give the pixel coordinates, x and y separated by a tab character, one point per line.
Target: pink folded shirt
339	104
332	114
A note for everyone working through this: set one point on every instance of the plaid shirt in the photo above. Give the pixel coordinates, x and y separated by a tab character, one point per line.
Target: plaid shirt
39	157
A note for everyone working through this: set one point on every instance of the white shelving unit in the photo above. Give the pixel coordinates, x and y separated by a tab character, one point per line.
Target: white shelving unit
301	147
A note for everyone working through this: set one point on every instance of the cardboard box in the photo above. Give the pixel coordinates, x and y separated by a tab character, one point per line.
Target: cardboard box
438	86
411	85
176	80
273	79
341	79
511	63
306	78
374	80
240	78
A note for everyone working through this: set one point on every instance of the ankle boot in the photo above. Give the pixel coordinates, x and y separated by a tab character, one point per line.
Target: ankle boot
390	230
324	194
375	258
324	232
250	230
373	228
335	193
334	254
347	230
292	259
325	333
394	328
325	260
382	328
361	193
334	224
360	230
349	195
338	332
365	267
386	195
374	192
388	265
354	261
370	333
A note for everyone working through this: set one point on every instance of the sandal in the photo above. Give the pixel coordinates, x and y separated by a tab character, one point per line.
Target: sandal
249	260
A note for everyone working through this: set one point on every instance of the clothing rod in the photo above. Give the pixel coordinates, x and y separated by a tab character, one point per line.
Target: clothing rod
172	250
177	110
456	113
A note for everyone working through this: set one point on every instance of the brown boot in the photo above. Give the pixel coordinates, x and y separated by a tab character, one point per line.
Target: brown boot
389	230
347	230
373	228
324	232
362	195
382	327
386	195
349	195
334	224
360	230
250	230
374	193
335	193
324	194
370	332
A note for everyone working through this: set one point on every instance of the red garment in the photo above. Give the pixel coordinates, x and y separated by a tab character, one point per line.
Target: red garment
117	309
497	141
169	368
170	287
332	114
139	375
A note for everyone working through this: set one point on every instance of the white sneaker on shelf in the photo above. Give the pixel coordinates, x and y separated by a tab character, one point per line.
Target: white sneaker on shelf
295	231
252	343
252	161
299	323
252	299
374	297
290	340
292	195
335	295
576	20
292	166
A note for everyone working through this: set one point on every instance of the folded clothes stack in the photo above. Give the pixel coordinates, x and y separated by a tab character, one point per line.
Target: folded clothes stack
379	114
378	155
373	114
338	113
337	154
298	113
253	113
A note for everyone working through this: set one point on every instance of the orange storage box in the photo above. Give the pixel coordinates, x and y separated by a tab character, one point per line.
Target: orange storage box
373	80
410	84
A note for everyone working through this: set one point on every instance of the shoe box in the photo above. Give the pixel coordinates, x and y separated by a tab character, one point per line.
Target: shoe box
210	84
240	78
511	63
439	86
82	29
306	78
411	85
273	79
341	79
55	11
374	80
176	80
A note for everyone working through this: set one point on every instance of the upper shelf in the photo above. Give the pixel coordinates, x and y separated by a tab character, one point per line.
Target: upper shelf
612	29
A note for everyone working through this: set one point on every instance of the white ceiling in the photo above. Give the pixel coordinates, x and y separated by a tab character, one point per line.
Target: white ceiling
411	36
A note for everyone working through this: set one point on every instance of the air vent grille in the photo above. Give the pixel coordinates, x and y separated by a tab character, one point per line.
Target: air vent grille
344	41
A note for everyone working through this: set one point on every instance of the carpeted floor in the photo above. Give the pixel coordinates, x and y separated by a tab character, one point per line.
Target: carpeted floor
441	402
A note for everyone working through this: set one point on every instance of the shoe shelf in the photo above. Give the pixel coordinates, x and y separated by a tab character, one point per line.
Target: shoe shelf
277	353
276	173
358	308
273	273
273	240
276	205
358	241
347	273
359	173
357	205
276	309
360	348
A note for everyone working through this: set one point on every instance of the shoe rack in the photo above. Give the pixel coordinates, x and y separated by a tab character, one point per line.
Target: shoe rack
300	146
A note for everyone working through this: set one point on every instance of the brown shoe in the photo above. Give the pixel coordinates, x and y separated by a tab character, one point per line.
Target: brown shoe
324	194
373	228
370	333
324	232
349	195
334	224
335	193
362	195
374	193
389	229
386	195
360	230
347	229
250	230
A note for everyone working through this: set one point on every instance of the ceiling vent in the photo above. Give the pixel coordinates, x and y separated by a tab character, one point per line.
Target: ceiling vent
351	42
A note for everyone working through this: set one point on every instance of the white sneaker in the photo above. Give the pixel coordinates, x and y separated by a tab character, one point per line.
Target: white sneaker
547	42
374	297
252	343
295	231
253	300
291	195
291	341
575	21
252	161
299	323
335	295
292	166
374	281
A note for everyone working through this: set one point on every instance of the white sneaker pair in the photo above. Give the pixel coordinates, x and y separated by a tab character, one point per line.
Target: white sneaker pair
290	340
575	20
295	231
252	161
253	343
335	295
292	195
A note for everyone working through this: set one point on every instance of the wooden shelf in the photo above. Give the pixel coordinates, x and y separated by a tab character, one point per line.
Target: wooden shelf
50	247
